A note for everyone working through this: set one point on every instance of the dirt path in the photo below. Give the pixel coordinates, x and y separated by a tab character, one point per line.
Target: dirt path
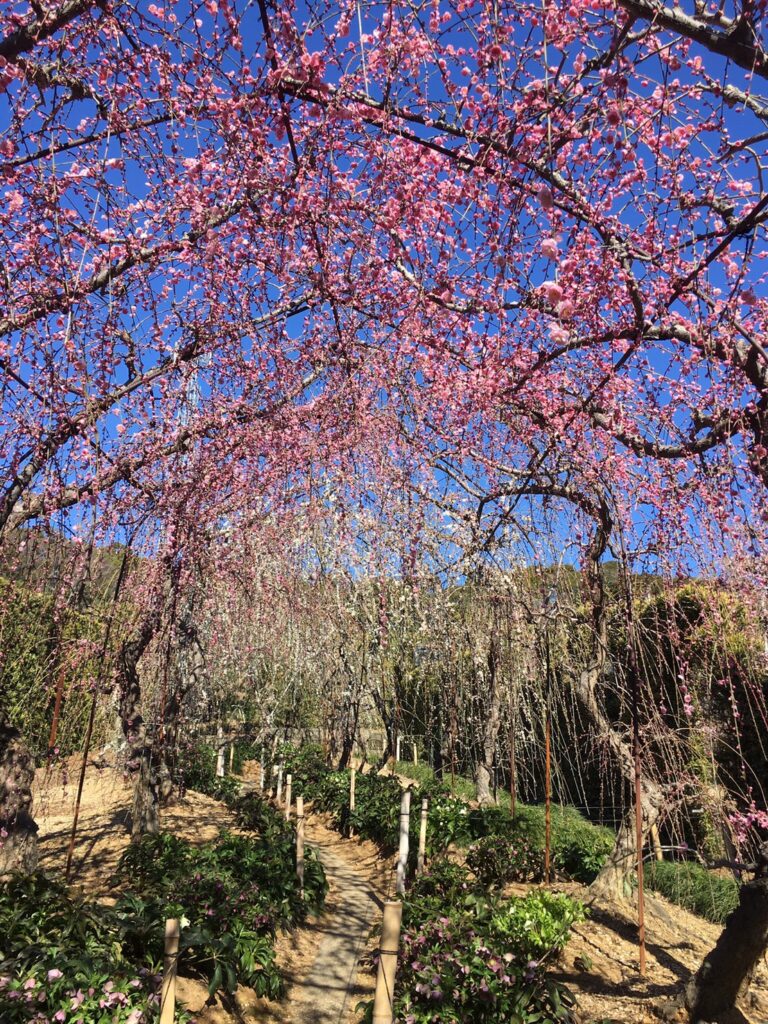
330	991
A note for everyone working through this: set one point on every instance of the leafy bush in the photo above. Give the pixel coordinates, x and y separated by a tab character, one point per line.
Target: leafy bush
196	769
489	820
377	809
499	859
64	959
448	973
579	848
536	926
467	956
447	818
234	893
444	885
694	887
305	765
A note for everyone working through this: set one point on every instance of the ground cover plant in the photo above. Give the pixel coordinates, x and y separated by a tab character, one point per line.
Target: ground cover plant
468	955
504	847
233	893
692	886
195	768
65	959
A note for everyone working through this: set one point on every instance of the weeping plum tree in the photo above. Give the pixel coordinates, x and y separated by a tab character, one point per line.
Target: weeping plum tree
520	237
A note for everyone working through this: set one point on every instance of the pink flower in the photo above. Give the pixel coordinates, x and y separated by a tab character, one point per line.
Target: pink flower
549	248
30	983
54	974
77	1000
544	192
552	292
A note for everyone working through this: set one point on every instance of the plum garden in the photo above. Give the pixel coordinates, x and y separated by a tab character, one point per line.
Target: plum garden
384	408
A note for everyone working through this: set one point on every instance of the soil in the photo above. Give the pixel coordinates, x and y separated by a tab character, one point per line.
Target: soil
599	964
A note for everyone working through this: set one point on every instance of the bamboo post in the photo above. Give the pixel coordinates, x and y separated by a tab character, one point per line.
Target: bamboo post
220	748
231	757
279	790
262	773
658	851
422	837
402	859
352	776
168	997
398	746
384	998
288	788
415	754
300	842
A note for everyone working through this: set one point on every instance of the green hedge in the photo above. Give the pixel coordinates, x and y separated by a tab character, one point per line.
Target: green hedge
579	848
694	887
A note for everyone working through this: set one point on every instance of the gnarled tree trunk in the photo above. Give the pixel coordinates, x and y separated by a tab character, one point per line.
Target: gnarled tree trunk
727	970
613	876
146	782
18	831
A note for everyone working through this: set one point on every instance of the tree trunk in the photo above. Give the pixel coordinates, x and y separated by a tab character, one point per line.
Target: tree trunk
146	795
351	710
491	725
388	713
613	879
727	970
18	831
483	783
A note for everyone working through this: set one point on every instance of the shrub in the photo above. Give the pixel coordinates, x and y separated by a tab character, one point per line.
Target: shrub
466	956
60	954
694	887
579	848
377	809
234	893
196	769
536	926
499	859
447	972
447	818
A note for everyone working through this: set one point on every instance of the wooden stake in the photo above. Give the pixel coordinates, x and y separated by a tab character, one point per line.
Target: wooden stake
420	857
658	852
279	790
384	998
352	776
262	773
639	832
547	800
300	842
231	757
168	997
288	787
220	747
398	745
415	754
402	860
